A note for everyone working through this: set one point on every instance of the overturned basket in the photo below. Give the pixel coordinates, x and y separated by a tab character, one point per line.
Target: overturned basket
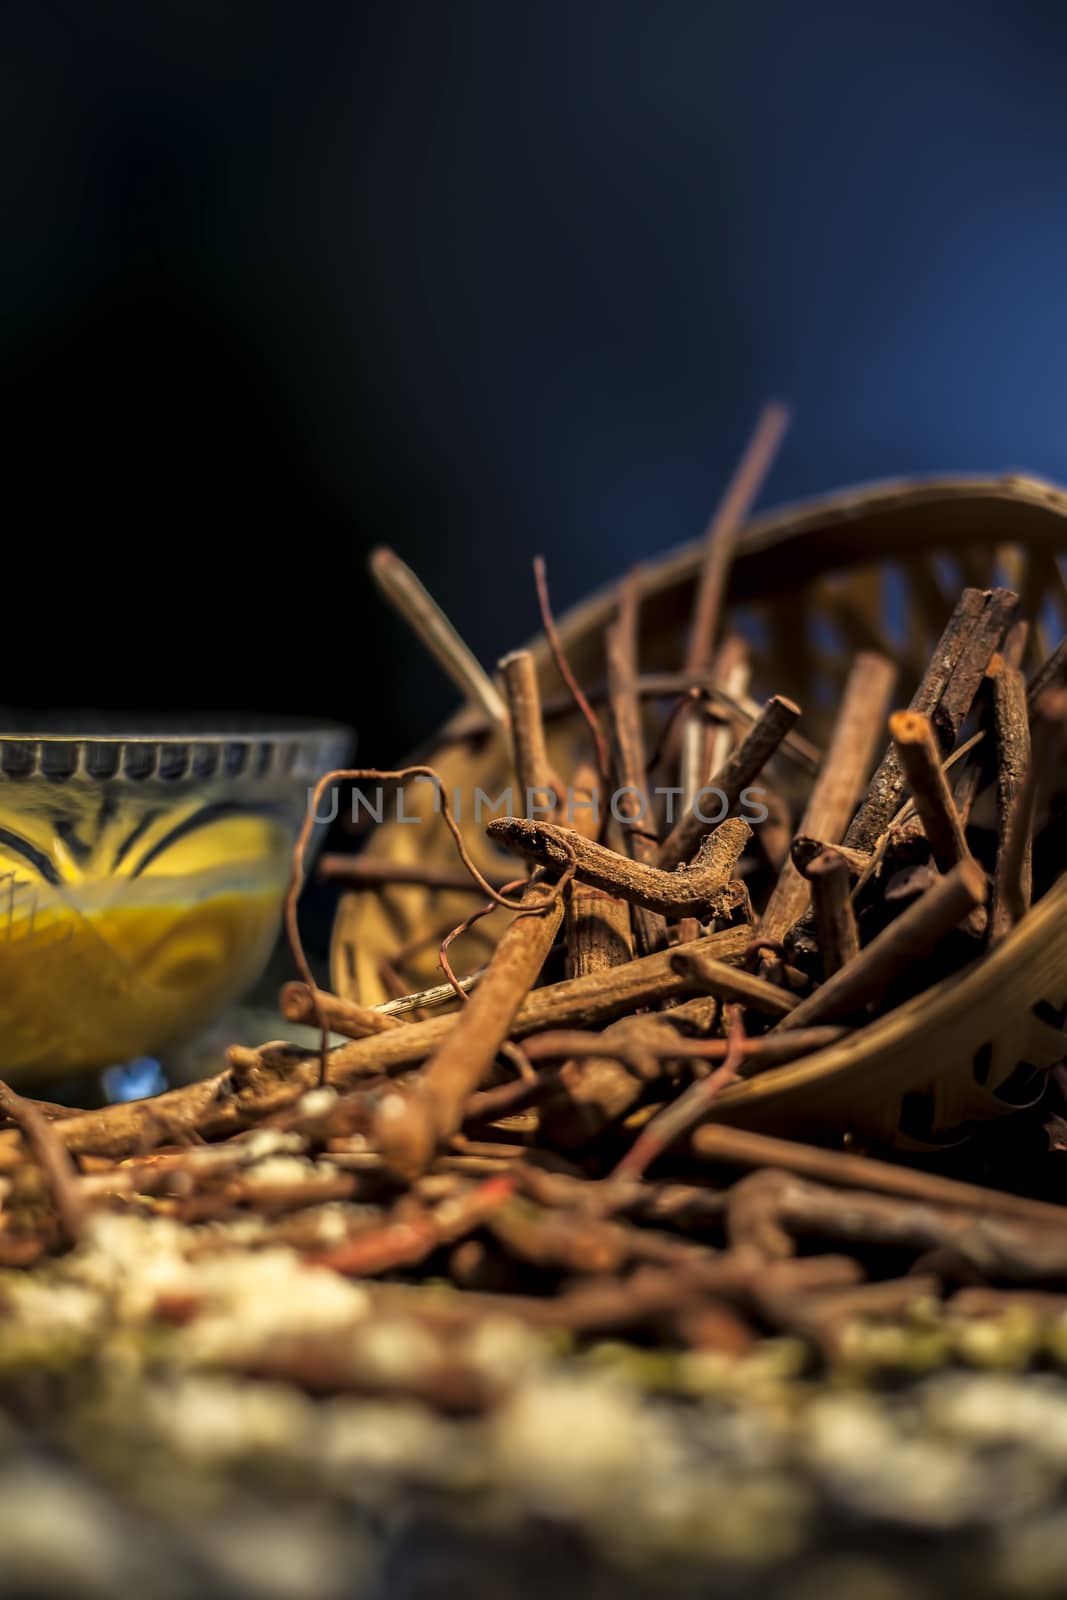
872	569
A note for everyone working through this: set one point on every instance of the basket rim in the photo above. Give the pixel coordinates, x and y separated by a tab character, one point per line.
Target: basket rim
302	750
1043	502
949	1001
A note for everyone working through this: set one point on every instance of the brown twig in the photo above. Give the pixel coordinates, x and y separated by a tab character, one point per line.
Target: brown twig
540	785
630	759
1012	879
720	544
460	991
732	983
599	936
299	1003
597	924
674	1119
1048	720
840	782
762	1050
743	1147
739	772
913	936
572	1242
407	1131
50	1152
428	622
920	763
698	890
720	540
767	1210
945	695
804	850
438	994
403	1242
835	922
563	667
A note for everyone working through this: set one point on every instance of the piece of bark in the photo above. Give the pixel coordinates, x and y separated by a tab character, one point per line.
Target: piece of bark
857	733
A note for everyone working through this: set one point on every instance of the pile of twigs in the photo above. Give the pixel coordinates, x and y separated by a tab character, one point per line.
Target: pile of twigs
542	1141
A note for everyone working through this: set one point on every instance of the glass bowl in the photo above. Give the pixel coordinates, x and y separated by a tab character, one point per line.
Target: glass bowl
141	883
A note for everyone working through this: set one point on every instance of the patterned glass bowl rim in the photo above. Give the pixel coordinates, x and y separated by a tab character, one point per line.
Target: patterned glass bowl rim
303	751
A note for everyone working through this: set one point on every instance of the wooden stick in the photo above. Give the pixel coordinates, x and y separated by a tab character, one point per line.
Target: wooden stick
1012	878
599	936
668	1125
913	936
720	544
731	983
407	1132
805	850
699	890
598	928
1048	716
540	785
946	694
438	994
428	622
726	785
593	1091
705	742
631	767
298	1002
767	1209
763	1050
733	670
977	769
840	781
920	762
578	696
835	922
720	540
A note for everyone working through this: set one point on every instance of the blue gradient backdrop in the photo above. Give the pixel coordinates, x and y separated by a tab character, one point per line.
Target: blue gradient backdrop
484	278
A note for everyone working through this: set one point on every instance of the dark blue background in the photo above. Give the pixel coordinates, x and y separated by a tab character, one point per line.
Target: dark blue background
478	279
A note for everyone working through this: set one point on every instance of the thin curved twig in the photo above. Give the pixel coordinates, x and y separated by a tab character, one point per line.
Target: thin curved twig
680	1115
464	927
563	667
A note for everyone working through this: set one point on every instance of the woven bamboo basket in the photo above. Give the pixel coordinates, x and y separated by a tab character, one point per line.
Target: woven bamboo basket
876	567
